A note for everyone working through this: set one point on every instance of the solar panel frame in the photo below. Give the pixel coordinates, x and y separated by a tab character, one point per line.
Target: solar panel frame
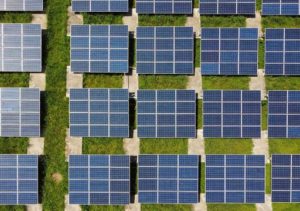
100	173
164	7
159	50
19	179
285	125
289	41
21	47
106	48
21	5
231	55
234	177
20	112
278	7
227	7
116	6
169	121
167	172
282	194
217	129
89	128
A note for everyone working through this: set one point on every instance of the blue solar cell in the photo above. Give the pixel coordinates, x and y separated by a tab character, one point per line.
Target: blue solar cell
168	179
166	7
165	50
227	7
229	51
99	49
231	114
99	179
25	5
228	179
99	112
276	7
100	5
166	113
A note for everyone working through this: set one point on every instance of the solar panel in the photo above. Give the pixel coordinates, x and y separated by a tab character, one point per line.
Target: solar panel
286	178
282	52
227	7
164	7
231	114
18	179
284	114
235	178
165	50
280	7
168	179
100	5
21	48
99	179
229	51
99	112
21	5
166	113
99	49
19	112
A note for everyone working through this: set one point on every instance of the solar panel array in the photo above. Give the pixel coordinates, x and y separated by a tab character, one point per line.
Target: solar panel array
99	49
99	112
99	179
229	51
286	178
227	7
284	114
165	50
280	7
100	5
166	113
235	178
21	48
168	179
164	6
21	5
282	52
18	179
231	114
19	112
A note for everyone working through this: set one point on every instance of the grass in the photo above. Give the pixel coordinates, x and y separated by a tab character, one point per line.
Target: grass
95	18
264	117
231	207
197	52
268	178
258	5
15	17
162	81
285	207
14	80
102	146
282	83
280	22
163	146
199	114
223	21
228	146
102	208
223	82
166	207
162	20
261	54
102	81
13	145
284	146
202	178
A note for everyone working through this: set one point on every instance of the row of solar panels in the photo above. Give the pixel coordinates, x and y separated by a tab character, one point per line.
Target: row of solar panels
172	113
207	7
162	179
170	50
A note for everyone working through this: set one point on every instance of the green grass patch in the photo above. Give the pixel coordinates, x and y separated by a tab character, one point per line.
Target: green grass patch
261	54
268	178
199	114
196	3
285	207
102	81
102	146
228	146
223	21
202	178
14	80
258	5
231	207
13	145
102	208
282	83
13	208
15	17
163	146
96	18
264	117
162	20
197	52
225	82
162	81
166	207
284	146
280	22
